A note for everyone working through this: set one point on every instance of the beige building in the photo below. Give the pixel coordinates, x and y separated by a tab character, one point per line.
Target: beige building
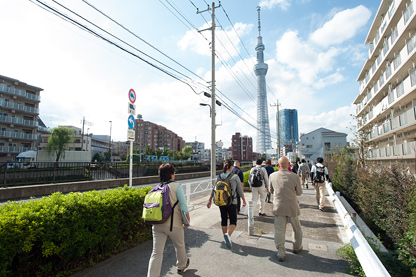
82	142
19	111
385	105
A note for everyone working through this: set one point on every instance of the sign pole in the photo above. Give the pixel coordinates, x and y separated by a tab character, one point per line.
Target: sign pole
131	165
130	131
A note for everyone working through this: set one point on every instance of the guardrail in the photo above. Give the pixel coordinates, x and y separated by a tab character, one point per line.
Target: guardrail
201	186
369	261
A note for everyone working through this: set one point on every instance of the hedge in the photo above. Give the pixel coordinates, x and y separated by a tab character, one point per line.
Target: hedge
59	233
385	198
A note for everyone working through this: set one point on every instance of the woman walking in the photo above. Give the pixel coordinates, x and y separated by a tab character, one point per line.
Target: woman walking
162	231
229	211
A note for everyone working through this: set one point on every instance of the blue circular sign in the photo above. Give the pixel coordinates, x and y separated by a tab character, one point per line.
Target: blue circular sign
131	122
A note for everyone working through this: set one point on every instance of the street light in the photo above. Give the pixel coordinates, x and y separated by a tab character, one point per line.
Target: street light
111	125
210	110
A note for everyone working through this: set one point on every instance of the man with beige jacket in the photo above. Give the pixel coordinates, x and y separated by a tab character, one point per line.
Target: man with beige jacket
287	187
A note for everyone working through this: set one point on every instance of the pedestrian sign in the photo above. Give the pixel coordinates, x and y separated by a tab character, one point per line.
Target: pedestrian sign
131	122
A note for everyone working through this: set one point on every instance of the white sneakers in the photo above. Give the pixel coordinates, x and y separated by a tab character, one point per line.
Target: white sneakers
227	240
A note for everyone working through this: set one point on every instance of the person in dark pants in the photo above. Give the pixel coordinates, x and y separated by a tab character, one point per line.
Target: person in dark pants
231	210
237	171
269	170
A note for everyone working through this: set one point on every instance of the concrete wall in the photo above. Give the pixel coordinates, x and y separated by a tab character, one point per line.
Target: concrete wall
24	192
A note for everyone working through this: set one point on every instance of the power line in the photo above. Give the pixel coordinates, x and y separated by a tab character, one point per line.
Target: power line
144	41
85	28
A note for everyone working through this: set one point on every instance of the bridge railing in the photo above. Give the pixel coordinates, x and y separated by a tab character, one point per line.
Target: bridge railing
194	188
369	261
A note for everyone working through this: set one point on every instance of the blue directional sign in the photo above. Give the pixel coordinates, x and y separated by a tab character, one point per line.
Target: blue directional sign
131	122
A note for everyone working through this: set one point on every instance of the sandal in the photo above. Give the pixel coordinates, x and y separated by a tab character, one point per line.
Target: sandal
183	269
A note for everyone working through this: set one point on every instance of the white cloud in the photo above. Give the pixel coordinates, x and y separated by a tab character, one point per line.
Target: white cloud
338	120
329	80
304	58
342	27
224	46
270	4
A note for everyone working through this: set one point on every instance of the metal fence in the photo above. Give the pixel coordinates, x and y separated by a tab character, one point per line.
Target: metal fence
32	173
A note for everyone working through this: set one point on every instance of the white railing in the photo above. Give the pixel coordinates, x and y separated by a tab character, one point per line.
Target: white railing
369	261
193	188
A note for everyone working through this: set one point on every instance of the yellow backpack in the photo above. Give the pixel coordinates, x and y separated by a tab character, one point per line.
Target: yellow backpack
222	191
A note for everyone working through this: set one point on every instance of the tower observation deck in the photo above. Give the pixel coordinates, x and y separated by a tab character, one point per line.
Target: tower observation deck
263	128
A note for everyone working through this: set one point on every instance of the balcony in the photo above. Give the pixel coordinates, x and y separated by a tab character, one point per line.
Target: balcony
15	149
18	135
408	13
18	106
18	92
18	121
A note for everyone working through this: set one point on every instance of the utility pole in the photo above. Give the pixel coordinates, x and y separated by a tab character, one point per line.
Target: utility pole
213	159
84	122
278	126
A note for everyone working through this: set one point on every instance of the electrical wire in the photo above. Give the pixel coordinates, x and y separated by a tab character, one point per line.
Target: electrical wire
85	28
144	41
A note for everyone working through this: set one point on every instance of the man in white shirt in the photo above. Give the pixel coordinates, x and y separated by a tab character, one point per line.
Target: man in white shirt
259	185
320	175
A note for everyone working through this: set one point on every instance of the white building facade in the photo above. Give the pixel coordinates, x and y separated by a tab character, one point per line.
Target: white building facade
320	143
385	105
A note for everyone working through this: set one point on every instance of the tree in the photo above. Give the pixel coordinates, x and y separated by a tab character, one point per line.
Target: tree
107	156
170	154
158	153
187	152
361	141
97	157
59	140
263	157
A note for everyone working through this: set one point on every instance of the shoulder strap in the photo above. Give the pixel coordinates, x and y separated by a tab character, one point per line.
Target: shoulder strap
171	216
229	177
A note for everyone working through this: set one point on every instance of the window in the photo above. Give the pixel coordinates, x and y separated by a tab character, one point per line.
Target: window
308	146
327	146
402	119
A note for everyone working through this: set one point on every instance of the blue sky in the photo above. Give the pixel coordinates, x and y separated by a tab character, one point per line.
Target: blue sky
315	51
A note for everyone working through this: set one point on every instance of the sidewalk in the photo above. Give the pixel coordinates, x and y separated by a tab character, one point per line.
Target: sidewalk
250	255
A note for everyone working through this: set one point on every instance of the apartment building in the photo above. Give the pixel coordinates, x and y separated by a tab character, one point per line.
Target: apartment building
156	136
385	105
197	149
241	147
19	111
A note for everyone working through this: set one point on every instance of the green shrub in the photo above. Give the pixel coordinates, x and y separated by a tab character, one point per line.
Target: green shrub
390	261
59	232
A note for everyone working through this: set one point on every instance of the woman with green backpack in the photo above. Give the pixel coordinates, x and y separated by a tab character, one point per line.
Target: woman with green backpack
164	230
226	189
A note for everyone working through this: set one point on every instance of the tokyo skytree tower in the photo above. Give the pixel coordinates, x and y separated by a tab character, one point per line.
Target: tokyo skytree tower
263	129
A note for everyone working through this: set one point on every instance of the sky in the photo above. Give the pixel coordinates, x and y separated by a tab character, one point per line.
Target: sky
314	49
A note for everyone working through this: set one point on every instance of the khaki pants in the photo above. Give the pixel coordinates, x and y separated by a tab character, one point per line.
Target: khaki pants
160	234
304	177
280	223
320	194
255	193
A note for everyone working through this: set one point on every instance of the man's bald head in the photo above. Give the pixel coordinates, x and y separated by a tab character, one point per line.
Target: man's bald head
284	163
237	163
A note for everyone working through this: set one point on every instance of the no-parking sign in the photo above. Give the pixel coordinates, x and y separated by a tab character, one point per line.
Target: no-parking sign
132	96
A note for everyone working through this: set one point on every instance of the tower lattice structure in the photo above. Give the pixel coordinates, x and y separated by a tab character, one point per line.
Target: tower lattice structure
263	128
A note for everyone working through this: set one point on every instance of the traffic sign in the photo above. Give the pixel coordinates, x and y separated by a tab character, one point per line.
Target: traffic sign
131	122
130	135
132	109
132	96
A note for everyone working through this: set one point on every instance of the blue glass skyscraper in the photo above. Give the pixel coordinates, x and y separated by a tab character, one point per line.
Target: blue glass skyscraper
289	132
